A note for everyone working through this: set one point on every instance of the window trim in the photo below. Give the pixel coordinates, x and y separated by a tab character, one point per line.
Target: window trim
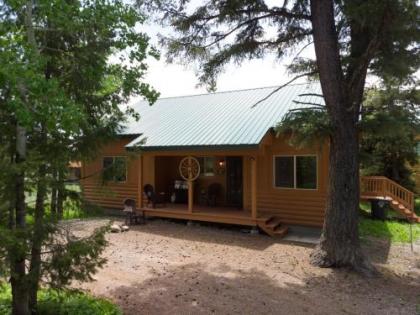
294	171
113	161
204	174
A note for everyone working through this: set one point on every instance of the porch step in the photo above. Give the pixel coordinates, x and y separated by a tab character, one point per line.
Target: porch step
382	188
272	226
273	222
410	215
281	230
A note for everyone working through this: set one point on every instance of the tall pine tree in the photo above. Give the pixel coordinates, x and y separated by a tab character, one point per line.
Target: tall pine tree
350	38
60	97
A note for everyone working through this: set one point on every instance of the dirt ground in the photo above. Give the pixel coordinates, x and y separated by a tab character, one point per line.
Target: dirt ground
168	267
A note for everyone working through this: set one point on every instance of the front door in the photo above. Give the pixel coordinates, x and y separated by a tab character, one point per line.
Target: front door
234	181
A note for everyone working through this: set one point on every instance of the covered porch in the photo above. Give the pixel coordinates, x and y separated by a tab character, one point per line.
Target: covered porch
233	176
234	171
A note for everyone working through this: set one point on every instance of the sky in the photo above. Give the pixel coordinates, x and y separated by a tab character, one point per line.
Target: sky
177	80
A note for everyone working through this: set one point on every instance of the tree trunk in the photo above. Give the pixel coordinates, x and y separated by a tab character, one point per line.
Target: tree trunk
339	243
37	239
18	252
60	195
54	195
18	278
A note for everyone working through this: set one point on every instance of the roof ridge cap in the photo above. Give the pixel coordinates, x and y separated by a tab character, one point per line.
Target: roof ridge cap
230	91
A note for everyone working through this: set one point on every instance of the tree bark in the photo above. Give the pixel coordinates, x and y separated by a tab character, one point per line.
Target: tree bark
54	195
37	239
60	195
18	278
339	244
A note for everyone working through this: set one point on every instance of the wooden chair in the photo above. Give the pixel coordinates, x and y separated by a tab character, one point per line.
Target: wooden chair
152	197
132	214
211	196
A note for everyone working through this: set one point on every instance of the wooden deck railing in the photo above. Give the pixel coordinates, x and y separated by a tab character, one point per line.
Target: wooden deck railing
380	186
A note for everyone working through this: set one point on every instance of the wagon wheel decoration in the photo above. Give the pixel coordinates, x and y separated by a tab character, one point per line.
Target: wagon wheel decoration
189	168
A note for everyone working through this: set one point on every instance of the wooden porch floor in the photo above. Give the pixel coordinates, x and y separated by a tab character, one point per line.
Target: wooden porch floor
228	215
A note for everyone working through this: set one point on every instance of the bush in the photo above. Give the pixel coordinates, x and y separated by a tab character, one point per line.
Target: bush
53	302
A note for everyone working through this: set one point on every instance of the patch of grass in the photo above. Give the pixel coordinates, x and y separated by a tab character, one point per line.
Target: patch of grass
53	302
73	207
394	230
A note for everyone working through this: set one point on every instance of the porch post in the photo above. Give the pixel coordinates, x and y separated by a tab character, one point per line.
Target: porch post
140	182
254	187
190	196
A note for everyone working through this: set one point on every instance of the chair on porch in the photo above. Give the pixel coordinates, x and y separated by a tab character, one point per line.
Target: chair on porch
132	214
212	195
152	197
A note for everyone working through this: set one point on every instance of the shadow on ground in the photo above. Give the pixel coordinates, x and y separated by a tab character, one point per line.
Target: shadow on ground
198	289
171	268
199	232
240	236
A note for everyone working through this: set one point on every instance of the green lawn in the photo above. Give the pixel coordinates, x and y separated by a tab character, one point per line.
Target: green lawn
52	302
72	208
394	230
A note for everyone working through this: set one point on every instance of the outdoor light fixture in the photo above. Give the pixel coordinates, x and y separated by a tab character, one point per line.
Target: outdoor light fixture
222	163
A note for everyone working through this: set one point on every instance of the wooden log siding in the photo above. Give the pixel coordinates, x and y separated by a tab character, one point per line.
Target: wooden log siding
292	206
111	194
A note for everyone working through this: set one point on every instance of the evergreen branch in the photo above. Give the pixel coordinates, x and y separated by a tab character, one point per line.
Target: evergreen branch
275	12
302	49
319	106
311	94
221	37
283	86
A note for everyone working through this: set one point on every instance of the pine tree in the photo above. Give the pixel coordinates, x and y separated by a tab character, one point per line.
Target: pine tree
60	99
390	124
350	38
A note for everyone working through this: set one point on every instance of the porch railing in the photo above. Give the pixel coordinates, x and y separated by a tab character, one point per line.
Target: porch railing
381	186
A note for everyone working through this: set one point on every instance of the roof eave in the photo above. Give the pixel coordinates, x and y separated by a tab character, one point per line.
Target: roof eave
174	148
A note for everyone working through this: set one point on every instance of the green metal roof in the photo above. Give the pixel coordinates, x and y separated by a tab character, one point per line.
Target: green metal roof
223	119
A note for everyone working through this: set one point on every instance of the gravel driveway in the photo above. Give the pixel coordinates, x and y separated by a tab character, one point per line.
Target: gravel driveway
171	268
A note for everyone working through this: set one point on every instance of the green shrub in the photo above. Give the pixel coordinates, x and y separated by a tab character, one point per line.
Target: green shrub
52	302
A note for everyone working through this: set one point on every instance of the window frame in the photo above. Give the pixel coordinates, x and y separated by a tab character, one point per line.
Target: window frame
113	180
202	169
295	171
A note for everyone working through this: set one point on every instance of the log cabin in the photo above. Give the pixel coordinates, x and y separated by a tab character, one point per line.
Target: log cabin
216	158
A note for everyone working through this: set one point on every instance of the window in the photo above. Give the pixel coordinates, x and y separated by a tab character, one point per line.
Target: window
115	168
295	172
206	166
284	171
306	172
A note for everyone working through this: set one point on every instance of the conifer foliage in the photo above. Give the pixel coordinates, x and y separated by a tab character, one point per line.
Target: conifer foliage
350	39
65	67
